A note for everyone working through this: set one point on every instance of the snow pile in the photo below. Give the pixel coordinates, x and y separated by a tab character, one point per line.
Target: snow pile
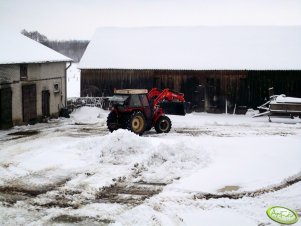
88	115
251	112
172	160
124	147
156	160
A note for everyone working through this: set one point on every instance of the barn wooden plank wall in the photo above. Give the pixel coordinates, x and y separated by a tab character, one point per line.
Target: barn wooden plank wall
206	90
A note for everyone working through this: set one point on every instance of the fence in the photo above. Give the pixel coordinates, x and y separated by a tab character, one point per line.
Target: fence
101	102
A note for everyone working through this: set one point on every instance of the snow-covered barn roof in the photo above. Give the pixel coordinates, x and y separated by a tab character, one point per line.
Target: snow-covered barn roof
16	48
195	48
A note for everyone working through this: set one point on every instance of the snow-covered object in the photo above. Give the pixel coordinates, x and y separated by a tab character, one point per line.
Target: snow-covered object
283	99
195	48
88	115
17	48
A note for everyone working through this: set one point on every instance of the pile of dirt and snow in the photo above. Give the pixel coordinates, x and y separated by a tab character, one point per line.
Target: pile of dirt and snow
124	147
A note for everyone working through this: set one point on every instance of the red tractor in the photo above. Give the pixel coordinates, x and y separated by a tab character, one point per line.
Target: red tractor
139	110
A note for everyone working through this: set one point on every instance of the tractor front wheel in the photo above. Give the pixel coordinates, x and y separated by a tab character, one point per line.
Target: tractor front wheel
112	121
163	125
137	123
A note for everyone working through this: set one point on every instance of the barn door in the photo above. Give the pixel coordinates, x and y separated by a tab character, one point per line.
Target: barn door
29	103
5	108
199	97
45	103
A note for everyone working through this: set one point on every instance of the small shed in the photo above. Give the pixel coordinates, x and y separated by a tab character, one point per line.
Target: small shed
214	67
32	81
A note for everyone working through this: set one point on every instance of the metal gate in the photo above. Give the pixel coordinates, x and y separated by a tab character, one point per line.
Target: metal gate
45	103
29	103
5	108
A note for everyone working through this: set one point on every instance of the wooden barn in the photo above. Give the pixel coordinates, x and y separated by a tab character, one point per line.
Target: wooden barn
32	81
214	67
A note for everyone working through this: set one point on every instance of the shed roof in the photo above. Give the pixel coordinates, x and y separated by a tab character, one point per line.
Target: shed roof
16	48
195	48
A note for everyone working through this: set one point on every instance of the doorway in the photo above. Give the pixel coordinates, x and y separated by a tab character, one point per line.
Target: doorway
29	103
45	103
5	108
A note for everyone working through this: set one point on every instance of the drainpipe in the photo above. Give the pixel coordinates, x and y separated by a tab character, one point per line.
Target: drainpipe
70	63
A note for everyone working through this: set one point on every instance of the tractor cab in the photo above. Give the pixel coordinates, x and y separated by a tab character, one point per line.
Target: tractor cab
128	99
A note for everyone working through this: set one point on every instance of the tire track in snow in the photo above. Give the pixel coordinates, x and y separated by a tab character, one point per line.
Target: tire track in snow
130	193
240	131
13	193
253	194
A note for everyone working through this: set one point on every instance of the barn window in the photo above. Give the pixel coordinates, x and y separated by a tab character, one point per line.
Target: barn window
56	88
23	72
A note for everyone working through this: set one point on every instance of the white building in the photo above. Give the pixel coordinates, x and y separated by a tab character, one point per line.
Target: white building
32	81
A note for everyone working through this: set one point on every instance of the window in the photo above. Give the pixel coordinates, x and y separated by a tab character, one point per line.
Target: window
56	88
144	100
135	101
23	72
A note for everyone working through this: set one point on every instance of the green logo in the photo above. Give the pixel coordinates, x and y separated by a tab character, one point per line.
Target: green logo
282	215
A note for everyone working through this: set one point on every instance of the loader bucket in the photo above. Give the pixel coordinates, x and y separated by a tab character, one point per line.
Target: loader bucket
173	108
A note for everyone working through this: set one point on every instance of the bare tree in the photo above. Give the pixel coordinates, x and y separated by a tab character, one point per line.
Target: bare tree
35	35
73	49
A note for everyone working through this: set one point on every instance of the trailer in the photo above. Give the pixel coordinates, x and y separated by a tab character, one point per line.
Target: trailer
280	106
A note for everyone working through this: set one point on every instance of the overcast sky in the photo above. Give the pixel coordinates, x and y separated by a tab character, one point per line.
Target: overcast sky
78	19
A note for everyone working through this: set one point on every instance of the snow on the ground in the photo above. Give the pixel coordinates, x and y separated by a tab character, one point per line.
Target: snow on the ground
71	160
249	163
229	218
73	81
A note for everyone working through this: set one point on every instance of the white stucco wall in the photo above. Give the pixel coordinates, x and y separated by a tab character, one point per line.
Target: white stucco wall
44	76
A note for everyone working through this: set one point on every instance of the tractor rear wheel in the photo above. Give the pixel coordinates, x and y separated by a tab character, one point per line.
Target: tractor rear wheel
112	121
163	125
137	123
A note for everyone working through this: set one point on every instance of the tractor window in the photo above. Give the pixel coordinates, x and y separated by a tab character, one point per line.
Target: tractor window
135	101
144	100
120	99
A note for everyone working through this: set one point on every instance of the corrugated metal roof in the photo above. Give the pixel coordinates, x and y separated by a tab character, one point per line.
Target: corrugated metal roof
195	48
16	48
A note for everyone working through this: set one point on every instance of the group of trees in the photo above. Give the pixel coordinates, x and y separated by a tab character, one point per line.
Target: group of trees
73	49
